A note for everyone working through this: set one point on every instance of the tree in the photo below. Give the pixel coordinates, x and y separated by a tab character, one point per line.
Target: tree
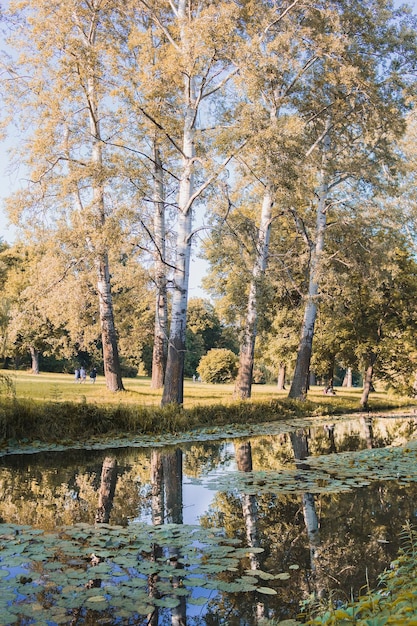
369	301
354	131
63	101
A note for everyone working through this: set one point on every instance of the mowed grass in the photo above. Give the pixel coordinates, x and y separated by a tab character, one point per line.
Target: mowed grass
52	387
54	408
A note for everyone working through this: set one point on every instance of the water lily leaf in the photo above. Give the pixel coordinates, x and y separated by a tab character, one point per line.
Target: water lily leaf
200	601
167	602
260	574
282	576
97	599
266	591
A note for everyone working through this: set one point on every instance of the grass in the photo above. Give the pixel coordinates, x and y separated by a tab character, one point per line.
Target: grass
52	407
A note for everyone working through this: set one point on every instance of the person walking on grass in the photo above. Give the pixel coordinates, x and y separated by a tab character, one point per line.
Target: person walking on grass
83	374
77	375
93	375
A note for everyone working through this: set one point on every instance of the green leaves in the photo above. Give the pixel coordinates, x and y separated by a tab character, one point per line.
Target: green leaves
115	569
333	473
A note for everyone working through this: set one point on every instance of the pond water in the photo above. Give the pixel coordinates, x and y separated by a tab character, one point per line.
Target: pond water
225	528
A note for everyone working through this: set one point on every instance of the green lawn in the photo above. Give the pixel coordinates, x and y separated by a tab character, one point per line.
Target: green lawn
61	387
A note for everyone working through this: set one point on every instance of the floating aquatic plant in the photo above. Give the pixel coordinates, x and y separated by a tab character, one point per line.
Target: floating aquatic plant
46	576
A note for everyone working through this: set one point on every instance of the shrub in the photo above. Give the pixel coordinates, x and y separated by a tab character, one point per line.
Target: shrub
219	365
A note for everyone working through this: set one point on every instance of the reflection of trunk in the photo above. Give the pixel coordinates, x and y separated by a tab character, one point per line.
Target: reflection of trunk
281	376
172	470
299	441
367	383
312	527
172	467
368	432
243	454
157	510
34	355
300	381
157	475
329	429
107	489
243	385
161	312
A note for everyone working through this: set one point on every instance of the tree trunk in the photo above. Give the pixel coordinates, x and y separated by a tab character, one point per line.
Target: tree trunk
299	386
367	383
112	371
107	490
330	375
281	376
174	374
243	385
34	355
96	243
347	380
159	356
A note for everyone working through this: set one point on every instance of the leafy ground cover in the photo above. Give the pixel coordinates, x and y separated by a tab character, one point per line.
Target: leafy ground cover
53	408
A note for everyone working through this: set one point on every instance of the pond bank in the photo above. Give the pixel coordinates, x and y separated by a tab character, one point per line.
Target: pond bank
24	421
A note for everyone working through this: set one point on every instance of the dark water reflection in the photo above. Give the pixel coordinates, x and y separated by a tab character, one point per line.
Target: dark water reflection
331	543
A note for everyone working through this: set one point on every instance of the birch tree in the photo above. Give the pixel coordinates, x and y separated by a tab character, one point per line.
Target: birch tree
59	106
356	120
194	37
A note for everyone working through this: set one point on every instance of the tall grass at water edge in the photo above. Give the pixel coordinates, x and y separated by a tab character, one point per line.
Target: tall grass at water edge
53	408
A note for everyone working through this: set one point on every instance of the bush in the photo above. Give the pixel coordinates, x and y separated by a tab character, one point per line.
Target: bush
219	365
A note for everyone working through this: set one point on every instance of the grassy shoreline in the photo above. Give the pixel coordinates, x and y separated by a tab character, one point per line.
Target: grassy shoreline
53	408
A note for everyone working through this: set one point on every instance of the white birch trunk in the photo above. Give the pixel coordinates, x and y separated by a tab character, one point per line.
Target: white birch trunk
243	385
111	360
161	310
347	380
367	382
300	381
174	374
34	355
243	454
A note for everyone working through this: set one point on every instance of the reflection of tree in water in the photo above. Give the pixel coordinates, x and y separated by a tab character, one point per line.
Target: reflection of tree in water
243	452
200	459
348	549
315	577
166	507
107	490
61	489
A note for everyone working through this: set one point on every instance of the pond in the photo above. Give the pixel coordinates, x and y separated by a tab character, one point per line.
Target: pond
225	528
